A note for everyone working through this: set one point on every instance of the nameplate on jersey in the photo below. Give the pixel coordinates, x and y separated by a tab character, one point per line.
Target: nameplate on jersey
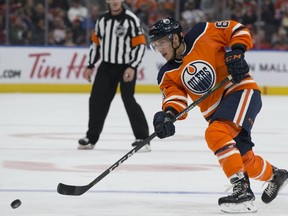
199	77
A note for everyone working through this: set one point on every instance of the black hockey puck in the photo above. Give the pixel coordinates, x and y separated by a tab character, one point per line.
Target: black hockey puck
16	203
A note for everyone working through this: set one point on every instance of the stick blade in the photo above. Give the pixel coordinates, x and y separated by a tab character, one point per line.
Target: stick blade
71	190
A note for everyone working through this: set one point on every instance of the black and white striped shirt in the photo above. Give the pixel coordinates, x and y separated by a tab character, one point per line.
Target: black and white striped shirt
118	40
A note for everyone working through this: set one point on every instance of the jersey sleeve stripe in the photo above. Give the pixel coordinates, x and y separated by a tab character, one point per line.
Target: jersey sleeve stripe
241	33
177	103
175	97
236	27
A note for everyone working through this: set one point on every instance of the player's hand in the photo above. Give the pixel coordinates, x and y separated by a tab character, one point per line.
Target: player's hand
129	74
163	126
236	65
88	74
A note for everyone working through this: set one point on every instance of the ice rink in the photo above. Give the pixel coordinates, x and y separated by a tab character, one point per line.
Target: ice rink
179	177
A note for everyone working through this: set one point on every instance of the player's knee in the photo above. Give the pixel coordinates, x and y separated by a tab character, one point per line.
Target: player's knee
244	142
217	135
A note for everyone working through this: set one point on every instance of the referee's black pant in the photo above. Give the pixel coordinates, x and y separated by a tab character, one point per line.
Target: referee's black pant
103	91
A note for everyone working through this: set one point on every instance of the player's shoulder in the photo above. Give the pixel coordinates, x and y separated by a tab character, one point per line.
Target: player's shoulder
197	30
194	33
166	68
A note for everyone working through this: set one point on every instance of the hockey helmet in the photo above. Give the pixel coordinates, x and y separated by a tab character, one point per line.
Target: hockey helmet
163	28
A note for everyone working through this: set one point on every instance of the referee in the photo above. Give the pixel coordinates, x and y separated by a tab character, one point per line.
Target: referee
119	42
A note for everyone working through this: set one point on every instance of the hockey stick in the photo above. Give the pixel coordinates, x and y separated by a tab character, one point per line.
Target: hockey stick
74	190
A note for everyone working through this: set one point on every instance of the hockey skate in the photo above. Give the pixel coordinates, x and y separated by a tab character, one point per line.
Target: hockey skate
241	200
145	148
279	181
85	144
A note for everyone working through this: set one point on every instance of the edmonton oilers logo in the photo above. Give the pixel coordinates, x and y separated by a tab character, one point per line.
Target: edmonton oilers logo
198	77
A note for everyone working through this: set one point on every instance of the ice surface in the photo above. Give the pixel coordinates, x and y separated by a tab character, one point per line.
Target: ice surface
38	149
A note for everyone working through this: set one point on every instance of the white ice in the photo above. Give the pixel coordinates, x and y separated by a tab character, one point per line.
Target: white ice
181	176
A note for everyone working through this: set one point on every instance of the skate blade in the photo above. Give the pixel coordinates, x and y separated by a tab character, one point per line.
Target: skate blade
245	207
86	147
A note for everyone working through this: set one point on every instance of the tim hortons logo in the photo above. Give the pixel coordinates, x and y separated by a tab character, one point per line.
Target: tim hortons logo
198	77
43	70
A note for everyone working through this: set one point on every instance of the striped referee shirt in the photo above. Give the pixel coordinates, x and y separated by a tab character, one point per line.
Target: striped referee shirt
117	39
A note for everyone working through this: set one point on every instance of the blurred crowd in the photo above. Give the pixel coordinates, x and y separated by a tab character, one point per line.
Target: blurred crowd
66	22
70	22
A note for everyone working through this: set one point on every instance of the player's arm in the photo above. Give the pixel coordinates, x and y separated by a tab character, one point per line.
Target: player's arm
238	39
174	97
174	101
231	33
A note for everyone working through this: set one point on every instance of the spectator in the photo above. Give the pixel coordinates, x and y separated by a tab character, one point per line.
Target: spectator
77	11
151	4
144	8
262	40
168	6
274	13
159	13
63	4
38	13
38	33
280	40
191	14
28	8
250	15
94	14
143	13
58	31
78	33
69	38
237	14
61	13
2	30
284	21
17	31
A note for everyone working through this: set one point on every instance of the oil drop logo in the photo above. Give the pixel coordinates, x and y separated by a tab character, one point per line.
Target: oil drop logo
199	77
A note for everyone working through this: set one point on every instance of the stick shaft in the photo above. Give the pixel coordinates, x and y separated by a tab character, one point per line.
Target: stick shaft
79	190
203	97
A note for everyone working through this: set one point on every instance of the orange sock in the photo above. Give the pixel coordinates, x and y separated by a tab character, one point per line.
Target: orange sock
257	167
230	160
219	137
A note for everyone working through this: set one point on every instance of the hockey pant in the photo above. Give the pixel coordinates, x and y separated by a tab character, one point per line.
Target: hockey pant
228	136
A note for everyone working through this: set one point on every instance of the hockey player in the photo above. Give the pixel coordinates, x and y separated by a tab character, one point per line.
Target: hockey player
196	63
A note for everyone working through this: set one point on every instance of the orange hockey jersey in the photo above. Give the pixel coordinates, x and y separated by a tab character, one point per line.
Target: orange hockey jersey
203	67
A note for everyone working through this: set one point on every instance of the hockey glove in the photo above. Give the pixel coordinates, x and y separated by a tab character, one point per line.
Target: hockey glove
163	125
236	64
